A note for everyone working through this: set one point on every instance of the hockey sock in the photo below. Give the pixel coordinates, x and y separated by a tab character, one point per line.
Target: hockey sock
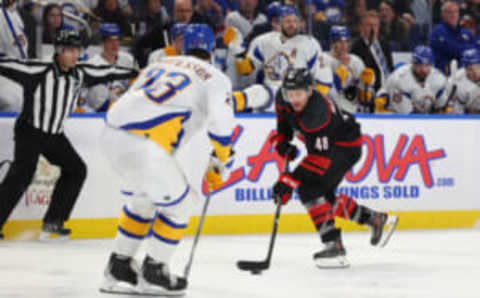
347	208
323	218
133	226
166	234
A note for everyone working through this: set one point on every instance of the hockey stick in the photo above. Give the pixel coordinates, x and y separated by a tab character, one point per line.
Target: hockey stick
186	271
453	74
256	267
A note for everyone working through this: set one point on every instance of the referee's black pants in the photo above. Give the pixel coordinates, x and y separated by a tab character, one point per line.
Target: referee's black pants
56	148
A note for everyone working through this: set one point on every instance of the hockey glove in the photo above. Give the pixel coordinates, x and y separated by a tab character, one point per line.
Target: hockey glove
283	147
218	172
282	190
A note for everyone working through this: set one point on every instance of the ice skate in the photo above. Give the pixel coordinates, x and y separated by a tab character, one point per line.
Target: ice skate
332	256
157	280
54	231
378	222
120	276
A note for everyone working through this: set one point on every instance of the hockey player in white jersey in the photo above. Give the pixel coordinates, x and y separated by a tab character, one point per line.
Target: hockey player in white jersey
413	88
351	77
169	102
14	44
463	87
175	49
275	53
99	98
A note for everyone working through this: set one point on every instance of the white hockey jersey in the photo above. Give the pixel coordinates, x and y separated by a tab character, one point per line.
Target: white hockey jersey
13	43
172	99
406	95
237	20
345	76
275	55
99	97
466	93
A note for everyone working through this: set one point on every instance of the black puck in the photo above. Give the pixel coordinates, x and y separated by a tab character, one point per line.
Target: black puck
256	272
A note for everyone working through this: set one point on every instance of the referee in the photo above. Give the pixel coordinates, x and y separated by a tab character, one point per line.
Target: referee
50	91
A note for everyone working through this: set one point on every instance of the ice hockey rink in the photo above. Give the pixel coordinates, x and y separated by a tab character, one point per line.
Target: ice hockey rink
434	263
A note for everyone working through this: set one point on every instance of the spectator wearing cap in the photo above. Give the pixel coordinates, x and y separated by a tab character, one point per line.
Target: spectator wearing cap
449	39
467	22
330	11
175	47
101	97
393	29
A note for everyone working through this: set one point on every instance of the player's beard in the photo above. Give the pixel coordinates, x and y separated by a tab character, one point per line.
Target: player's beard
288	33
421	78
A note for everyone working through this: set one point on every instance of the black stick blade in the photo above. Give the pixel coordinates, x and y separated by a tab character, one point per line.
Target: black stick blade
252	265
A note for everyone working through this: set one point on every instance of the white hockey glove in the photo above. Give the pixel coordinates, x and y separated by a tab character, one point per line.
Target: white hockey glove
423	101
217	171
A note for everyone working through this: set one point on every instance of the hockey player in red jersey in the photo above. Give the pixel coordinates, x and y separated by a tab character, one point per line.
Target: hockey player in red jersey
333	141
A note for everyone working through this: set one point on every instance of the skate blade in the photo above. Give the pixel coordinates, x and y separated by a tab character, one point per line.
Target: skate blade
391	224
145	288
52	238
332	263
119	288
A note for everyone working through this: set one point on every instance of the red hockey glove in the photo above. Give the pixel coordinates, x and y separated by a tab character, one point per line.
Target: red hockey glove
283	147
282	190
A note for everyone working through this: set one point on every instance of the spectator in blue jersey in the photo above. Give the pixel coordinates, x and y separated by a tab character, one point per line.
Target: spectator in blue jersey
449	39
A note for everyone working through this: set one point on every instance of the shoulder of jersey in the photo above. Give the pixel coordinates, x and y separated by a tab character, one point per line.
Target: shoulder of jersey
126	57
356	60
437	76
317	114
267	36
216	73
95	60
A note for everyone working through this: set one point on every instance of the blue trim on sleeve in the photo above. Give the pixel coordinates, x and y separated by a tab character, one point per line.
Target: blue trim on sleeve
257	54
12	30
439	93
224	141
311	62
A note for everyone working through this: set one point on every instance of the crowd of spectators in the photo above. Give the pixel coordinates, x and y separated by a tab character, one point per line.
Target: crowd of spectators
145	25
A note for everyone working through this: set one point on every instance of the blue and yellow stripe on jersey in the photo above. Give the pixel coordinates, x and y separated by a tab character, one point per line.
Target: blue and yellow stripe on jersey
167	231
132	225
240	101
166	130
222	146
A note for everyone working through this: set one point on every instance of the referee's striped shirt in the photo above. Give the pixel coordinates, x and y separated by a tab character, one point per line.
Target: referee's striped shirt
50	94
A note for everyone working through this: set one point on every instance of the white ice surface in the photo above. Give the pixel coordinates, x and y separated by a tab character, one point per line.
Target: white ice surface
420	264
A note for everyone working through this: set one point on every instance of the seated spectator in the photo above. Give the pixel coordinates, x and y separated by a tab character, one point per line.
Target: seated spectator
467	22
52	22
100	97
354	12
449	39
110	12
393	29
375	52
211	11
156	38
149	15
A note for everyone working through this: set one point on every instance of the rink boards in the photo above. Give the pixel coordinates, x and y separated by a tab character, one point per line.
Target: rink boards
421	168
